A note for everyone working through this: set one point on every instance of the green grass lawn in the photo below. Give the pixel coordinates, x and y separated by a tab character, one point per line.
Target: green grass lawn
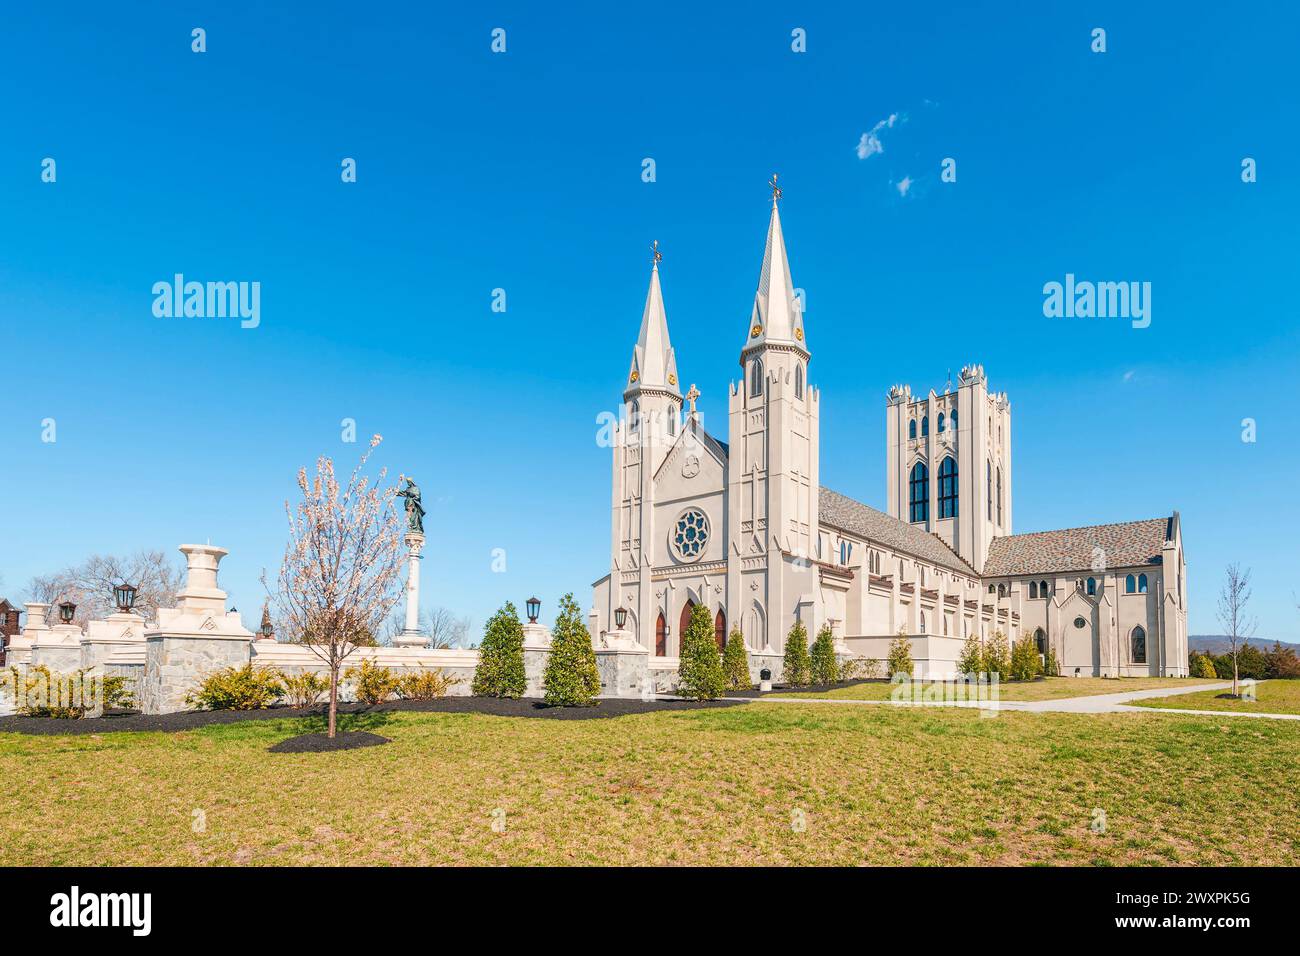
873	785
1272	697
1051	688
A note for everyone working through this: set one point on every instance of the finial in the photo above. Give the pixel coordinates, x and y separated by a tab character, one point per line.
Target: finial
658	256
776	190
692	395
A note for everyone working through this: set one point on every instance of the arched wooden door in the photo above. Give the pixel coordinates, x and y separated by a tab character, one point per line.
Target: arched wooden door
685	622
661	636
720	629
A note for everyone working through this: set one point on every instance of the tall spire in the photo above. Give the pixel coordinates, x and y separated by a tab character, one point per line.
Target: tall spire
654	365
777	317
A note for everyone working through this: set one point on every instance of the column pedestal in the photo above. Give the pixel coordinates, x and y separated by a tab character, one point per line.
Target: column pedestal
411	636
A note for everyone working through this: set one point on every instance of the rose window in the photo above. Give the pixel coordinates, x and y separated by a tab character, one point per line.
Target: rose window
691	534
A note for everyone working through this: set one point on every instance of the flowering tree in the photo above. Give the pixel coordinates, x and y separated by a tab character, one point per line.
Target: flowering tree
341	571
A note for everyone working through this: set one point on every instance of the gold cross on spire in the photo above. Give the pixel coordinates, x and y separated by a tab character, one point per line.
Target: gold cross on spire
658	256
692	395
776	190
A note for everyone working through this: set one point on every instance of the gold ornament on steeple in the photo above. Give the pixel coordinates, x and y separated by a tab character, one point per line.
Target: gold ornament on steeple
658	256
776	190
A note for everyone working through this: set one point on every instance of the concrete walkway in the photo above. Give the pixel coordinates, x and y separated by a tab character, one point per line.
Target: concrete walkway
1094	704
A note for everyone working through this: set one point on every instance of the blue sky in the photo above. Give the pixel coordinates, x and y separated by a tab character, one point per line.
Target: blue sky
522	171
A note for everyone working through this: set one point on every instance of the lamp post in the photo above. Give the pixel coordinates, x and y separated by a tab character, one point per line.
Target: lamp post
534	608
124	596
67	610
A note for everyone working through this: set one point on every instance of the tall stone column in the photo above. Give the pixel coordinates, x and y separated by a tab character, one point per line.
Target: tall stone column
411	636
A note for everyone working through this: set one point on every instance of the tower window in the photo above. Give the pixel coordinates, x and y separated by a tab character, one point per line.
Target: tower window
999	495
911	428
988	484
756	385
1044	590
798	381
1139	645
952	420
1142	584
1092	586
925	425
940	423
1130	585
919	488
1033	589
636	415
948	487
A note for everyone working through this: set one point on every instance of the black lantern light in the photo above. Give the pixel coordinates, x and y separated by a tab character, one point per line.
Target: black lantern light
620	618
534	608
67	610
267	630
124	595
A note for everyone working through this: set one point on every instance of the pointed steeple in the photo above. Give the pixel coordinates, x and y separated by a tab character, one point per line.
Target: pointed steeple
654	365
777	317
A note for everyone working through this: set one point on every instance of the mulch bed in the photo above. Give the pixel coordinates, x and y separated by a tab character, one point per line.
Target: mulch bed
191	720
787	688
320	743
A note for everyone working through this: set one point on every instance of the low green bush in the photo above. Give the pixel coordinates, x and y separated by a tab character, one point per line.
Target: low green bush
45	693
238	688
371	683
305	689
426	685
861	668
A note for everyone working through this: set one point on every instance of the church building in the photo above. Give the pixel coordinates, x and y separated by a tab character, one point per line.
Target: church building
745	527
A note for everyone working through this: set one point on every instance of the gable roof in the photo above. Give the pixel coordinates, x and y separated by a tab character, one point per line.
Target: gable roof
842	512
1124	545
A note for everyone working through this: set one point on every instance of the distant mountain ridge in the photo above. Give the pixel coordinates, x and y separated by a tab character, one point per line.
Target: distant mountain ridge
1218	644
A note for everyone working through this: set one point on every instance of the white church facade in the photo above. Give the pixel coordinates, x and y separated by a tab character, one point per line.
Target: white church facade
746	528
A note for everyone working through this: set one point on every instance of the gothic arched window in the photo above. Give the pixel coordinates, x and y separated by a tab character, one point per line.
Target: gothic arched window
922	622
1142	584
911	428
948	488
952	420
940	422
925	425
1033	589
661	636
1139	645
999	495
756	384
1043	589
1130	585
988	484
798	381
1092	586
672	422
919	487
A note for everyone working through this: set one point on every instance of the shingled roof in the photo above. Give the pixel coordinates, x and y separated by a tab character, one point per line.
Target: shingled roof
1125	545
842	512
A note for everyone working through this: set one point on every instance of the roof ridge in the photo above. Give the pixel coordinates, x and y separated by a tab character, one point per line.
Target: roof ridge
1082	527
